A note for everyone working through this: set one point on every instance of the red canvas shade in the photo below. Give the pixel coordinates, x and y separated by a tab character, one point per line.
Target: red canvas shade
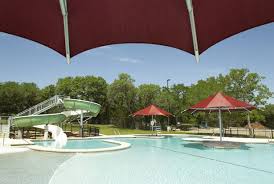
223	102
218	103
152	110
86	24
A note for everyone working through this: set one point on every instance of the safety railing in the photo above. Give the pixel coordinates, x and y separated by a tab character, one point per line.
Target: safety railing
41	107
236	132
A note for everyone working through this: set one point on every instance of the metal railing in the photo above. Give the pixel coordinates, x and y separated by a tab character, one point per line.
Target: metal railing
42	107
236	132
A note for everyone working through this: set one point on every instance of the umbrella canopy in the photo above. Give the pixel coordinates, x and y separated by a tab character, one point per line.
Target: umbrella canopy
218	103
222	102
152	110
72	26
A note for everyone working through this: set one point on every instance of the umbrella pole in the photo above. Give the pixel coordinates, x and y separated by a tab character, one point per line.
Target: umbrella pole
249	125
220	124
151	125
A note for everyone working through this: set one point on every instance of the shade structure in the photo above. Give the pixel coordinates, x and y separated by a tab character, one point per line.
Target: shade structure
72	26
223	102
152	110
218	103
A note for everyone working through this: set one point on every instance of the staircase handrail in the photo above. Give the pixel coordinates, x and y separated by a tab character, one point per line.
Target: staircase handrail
52	102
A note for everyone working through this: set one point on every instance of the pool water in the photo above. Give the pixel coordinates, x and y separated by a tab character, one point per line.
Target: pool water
154	161
79	144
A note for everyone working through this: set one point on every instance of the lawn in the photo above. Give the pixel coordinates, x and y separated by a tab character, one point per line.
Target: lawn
3	121
112	130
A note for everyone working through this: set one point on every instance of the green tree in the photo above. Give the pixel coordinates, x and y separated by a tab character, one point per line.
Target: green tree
147	94
247	86
205	88
89	88
15	97
64	87
48	92
268	113
122	100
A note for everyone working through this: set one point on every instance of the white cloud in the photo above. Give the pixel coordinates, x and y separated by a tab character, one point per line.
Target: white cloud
129	60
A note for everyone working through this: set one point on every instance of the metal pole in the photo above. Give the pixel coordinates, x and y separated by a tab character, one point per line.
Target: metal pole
220	123
64	10
46	132
81	124
193	28
249	124
152	124
9	125
168	100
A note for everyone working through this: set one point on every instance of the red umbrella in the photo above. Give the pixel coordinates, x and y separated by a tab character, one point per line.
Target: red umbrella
72	26
152	110
219	103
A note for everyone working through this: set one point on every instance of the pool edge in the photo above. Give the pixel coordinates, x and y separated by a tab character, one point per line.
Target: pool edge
121	146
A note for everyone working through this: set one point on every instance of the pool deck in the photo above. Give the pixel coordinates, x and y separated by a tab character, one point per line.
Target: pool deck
13	145
7	149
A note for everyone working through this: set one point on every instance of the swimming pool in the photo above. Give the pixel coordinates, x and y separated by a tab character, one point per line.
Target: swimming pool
78	144
148	161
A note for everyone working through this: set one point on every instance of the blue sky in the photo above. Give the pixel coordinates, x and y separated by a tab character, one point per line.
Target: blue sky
26	61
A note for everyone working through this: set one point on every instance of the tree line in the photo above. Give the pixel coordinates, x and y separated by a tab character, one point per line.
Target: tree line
121	98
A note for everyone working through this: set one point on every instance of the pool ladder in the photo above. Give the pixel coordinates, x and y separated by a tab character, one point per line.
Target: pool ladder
158	130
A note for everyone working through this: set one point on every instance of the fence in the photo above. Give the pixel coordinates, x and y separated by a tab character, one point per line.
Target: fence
69	128
235	132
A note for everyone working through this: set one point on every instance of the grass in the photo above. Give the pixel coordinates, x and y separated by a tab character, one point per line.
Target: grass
112	130
3	121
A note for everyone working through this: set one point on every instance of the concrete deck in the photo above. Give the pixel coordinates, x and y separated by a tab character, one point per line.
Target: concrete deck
7	149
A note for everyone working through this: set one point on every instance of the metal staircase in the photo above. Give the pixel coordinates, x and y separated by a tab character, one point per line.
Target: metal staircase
42	107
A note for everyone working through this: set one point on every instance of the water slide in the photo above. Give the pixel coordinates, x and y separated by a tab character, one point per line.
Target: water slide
57	134
74	107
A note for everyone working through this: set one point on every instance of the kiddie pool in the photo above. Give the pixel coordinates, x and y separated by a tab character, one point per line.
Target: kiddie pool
81	146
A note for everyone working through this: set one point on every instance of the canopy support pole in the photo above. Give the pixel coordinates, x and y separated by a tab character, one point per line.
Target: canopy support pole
64	10
152	124
220	124
193	29
249	125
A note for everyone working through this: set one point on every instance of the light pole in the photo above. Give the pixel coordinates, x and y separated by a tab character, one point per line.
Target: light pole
167	86
167	81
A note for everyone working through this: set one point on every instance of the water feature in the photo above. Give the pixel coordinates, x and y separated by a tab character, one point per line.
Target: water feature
60	138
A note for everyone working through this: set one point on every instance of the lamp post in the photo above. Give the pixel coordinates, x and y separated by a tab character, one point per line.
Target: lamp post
167	86
167	81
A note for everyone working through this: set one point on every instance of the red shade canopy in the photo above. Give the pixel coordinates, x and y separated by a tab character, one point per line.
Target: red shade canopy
152	110
94	23
223	102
